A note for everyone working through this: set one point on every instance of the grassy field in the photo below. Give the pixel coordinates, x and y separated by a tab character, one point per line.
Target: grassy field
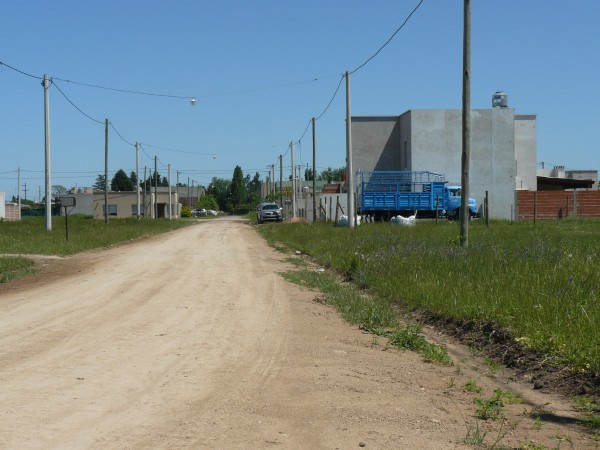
29	236
539	281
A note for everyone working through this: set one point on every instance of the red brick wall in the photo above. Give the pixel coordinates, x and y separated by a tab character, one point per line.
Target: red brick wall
555	204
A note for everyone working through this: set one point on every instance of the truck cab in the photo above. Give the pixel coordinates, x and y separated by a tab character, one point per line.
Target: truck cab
453	199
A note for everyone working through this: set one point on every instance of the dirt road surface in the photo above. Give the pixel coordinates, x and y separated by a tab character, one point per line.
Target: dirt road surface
193	340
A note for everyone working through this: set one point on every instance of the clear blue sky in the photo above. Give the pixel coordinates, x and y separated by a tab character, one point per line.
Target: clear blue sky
260	70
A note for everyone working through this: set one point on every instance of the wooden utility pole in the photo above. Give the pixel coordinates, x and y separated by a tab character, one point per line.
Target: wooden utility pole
106	170
349	169
48	183
137	175
19	191
155	187
170	202
145	189
281	181
293	181
314	172
466	127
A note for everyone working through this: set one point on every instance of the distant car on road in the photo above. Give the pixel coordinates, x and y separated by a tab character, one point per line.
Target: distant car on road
269	211
199	212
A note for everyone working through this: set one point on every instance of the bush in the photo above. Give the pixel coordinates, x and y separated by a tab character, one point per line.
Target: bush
186	211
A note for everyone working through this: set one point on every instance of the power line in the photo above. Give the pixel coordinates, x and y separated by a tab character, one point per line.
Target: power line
389	40
358	68
145	153
266	88
180	151
73	104
20	71
125	90
333	97
119	134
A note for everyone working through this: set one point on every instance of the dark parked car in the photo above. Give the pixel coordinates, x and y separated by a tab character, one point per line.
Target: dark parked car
269	211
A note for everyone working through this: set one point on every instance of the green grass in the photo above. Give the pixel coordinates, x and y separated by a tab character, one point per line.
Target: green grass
29	236
539	281
371	314
14	267
472	386
590	410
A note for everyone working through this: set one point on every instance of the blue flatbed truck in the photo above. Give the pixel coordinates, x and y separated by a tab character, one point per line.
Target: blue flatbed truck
389	193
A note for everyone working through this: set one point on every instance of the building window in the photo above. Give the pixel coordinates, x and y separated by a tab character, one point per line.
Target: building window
112	210
134	210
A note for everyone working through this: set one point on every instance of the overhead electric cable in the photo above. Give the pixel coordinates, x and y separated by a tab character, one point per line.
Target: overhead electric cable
73	104
332	98
124	90
20	71
180	151
389	40
305	130
119	134
266	88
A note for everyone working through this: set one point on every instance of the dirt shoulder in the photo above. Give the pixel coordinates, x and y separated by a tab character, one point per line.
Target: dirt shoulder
192	339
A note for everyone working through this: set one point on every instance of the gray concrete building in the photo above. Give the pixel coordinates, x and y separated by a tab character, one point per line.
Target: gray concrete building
503	150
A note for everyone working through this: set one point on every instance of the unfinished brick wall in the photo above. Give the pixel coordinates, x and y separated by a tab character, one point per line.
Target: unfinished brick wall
557	204
12	212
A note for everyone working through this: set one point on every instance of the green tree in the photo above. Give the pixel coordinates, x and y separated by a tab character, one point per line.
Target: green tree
330	174
100	182
151	181
237	189
208	202
254	190
308	174
133	178
219	189
121	182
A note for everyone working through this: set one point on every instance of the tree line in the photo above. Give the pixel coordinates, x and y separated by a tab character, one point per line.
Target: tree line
240	193
122	182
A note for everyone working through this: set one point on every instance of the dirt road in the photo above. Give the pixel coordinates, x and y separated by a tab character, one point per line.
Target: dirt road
192	340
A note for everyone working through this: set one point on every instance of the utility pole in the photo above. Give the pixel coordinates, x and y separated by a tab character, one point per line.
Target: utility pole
137	175
177	185
45	83
19	190
293	182
281	181
466	128
314	172
273	178
170	202
25	189
188	196
349	170
106	170
145	189
155	188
